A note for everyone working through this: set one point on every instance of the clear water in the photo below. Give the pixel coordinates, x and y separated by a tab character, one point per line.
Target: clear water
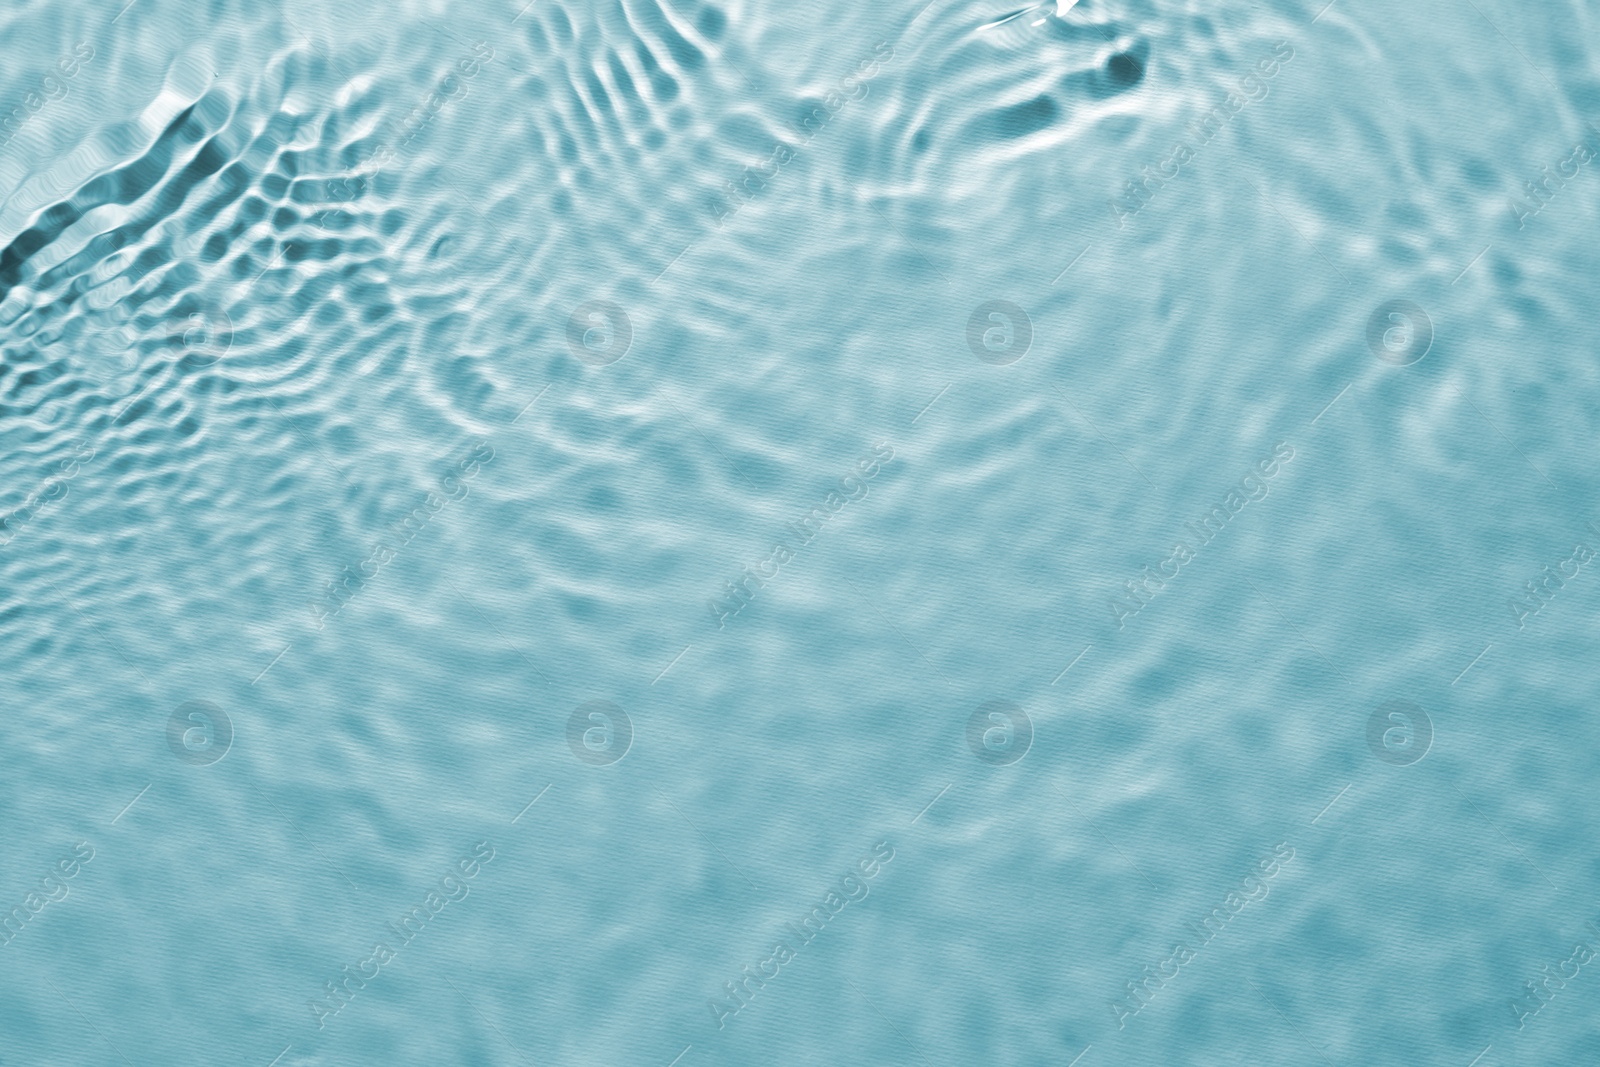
511	512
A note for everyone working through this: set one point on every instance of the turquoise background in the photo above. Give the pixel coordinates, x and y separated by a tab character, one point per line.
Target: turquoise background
524	337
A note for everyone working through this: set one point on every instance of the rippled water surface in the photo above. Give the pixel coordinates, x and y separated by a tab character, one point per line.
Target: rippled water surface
667	532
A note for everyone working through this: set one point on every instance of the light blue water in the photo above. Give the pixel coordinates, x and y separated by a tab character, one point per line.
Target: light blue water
511	513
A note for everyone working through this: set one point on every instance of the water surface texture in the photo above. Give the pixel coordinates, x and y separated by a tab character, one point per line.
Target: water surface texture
674	532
